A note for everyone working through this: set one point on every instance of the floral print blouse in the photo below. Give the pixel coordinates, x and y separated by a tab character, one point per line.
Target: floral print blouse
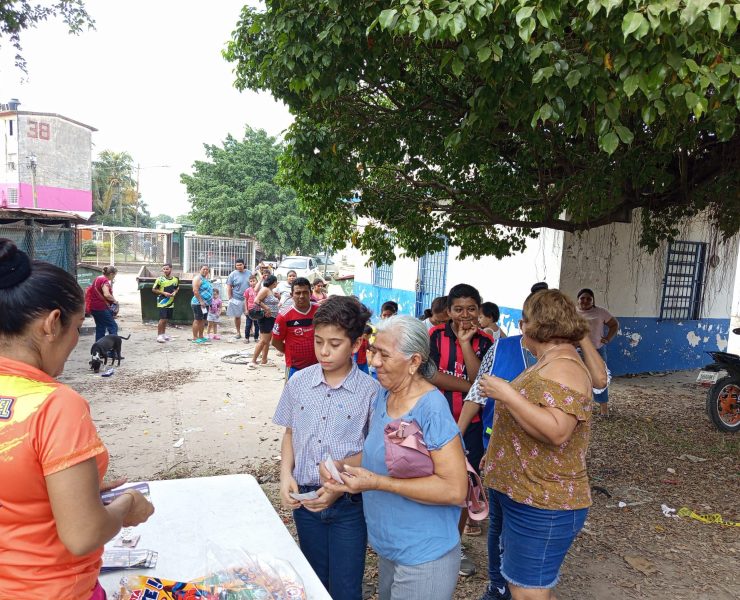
534	472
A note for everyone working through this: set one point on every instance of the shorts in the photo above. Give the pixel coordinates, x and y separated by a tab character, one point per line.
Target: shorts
166	313
198	314
235	308
473	439
266	324
534	540
212	318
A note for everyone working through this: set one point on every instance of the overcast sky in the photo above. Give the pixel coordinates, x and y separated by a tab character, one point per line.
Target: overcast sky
151	79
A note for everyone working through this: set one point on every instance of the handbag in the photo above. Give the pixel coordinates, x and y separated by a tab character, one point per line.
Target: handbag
113	307
407	456
256	314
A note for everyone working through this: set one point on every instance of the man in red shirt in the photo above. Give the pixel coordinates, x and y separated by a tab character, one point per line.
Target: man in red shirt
293	330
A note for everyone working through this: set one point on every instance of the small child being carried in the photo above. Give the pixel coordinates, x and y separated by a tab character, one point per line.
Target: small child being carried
214	316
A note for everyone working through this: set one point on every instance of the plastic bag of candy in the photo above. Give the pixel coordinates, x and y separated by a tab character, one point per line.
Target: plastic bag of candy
231	575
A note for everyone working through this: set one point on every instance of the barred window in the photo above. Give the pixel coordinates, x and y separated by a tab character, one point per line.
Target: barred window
683	283
383	275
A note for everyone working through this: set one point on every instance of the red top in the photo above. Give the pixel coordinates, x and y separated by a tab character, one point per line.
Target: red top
295	330
97	300
45	427
362	352
445	351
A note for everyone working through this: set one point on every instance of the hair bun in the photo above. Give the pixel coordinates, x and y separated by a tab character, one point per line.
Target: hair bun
15	266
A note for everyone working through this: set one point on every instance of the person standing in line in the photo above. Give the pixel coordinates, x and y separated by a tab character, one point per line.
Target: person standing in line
53	525
488	320
249	297
165	287
101	300
388	309
236	284
202	296
439	312
285	289
267	303
214	316
412	522
319	291
325	409
293	329
535	464
598	320
457	348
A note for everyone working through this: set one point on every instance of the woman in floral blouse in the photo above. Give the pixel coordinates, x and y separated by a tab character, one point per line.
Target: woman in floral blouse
535	466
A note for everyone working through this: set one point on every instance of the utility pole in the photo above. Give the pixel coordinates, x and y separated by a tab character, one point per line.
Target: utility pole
32	162
138	172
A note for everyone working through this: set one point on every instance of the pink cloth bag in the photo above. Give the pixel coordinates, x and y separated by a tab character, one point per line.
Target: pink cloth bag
407	456
98	592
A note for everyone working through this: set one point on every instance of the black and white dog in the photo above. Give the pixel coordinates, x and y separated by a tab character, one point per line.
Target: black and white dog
106	347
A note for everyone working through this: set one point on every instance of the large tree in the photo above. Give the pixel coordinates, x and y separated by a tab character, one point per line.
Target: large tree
17	16
482	120
234	192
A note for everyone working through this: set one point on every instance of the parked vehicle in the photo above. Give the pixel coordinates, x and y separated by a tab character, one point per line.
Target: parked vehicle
304	266
327	266
723	405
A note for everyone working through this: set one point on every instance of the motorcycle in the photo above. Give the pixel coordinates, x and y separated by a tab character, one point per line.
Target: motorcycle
723	398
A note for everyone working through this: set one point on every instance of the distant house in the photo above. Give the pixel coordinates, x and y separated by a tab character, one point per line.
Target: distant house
672	305
45	161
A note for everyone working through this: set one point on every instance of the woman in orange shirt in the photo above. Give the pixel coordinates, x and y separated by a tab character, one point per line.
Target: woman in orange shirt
53	524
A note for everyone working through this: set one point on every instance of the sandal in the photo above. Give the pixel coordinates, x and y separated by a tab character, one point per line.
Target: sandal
472	530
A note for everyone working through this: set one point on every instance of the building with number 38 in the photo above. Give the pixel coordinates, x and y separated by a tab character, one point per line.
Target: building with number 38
45	161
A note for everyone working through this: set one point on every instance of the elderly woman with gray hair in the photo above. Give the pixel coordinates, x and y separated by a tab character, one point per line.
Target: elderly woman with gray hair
411	523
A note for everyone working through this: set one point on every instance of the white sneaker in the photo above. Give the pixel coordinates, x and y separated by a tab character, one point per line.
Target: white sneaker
161	339
167	338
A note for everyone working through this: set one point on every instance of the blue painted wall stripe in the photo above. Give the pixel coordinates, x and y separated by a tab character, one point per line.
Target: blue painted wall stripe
643	343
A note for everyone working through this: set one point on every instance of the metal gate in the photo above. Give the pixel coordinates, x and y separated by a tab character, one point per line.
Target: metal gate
684	280
219	253
431	279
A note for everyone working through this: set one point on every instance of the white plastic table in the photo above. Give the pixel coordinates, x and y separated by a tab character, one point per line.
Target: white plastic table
230	511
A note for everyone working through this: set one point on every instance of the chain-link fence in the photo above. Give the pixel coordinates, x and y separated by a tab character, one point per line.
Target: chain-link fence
121	246
219	253
50	243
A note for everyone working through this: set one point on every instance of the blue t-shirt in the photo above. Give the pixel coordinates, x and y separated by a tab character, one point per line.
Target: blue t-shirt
399	529
206	292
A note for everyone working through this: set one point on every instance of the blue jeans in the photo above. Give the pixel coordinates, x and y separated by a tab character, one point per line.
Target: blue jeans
334	541
527	545
603	397
104	323
248	328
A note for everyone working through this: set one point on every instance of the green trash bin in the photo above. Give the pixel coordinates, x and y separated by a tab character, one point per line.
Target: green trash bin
182	313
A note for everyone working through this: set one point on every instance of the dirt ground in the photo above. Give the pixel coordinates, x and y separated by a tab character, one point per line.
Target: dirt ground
176	410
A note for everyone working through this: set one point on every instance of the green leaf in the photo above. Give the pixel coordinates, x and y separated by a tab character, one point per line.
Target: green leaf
609	142
543	73
612	109
572	79
691	99
457	66
458	24
523	13
631	23
484	53
648	114
431	18
525	32
719	16
631	84
413	22
624	134
388	18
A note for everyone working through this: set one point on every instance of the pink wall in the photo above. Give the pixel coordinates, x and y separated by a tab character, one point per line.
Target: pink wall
52	197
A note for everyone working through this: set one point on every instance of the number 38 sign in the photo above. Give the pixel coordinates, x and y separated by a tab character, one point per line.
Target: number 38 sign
39	130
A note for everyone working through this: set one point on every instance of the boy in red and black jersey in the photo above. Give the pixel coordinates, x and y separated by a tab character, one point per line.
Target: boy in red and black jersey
457	348
293	329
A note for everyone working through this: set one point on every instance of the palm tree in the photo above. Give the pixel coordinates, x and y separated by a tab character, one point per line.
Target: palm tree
113	184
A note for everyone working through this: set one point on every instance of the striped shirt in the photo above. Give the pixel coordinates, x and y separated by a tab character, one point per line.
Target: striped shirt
445	351
324	419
